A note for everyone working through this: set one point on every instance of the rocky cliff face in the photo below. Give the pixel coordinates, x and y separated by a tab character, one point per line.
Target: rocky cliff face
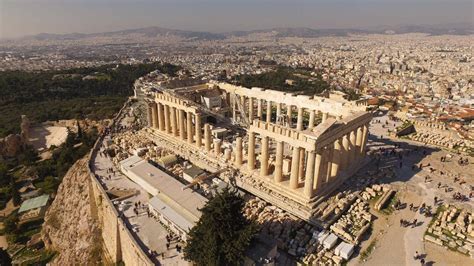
70	227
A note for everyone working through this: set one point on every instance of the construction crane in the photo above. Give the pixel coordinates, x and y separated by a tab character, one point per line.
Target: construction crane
203	177
241	109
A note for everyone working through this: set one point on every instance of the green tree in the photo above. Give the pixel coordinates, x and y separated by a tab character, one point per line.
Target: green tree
14	192
5	259
11	223
3	174
222	233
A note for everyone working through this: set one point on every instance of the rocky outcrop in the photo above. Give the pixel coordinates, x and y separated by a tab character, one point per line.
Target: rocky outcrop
11	145
71	227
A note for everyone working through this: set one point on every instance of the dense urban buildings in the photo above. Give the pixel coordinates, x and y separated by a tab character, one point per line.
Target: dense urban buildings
362	154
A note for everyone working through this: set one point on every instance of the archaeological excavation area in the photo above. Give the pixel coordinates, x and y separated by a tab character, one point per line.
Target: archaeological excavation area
291	151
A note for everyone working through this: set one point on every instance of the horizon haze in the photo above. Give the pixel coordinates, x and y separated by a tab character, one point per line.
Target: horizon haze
30	17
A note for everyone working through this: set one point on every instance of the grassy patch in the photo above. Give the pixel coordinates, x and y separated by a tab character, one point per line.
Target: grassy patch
364	255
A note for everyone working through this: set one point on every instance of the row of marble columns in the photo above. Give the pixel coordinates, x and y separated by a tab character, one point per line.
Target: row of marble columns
249	104
176	122
315	167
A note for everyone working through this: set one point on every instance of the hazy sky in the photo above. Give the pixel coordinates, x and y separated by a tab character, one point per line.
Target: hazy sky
25	17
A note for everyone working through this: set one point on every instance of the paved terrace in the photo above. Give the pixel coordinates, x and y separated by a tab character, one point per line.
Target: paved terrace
149	232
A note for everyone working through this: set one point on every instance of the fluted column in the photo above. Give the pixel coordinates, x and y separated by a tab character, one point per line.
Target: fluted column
259	109
251	116
238	151
174	122
269	112
161	117
278	175
149	115
365	133
198	130
301	165
330	153
352	139
189	127
295	162
288	114
234	107
359	137
217	147
207	137
345	152
309	176
278	111
325	117
299	123
317	171
312	115
182	134
264	157
336	159
167	119
154	115
251	151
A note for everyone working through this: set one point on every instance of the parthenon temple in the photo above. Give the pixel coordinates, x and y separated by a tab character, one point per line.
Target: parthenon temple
289	150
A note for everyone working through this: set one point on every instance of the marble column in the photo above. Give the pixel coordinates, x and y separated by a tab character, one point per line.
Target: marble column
269	112
149	115
154	115
251	116
217	147
198	130
207	137
234	107
359	137
299	123
182	134
264	157
278	175
189	127
352	139
309	176
161	117
329	158
259	109
238	151
278	111
301	165
288	114
345	152
336	158
317	171
365	134
312	115
325	117
251	151
227	154
295	162
167	119
174	122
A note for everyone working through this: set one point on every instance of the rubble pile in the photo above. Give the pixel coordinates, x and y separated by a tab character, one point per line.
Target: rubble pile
454	229
298	238
354	223
442	140
331	209
127	143
374	191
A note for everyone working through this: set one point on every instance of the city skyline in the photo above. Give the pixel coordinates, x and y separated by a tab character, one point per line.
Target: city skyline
30	17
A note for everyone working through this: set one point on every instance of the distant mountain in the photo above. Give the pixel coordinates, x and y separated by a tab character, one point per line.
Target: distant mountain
440	29
156	32
299	32
150	32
